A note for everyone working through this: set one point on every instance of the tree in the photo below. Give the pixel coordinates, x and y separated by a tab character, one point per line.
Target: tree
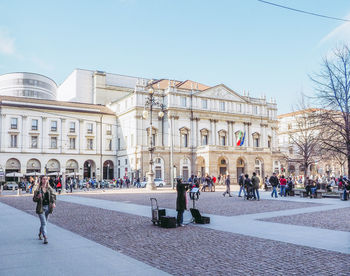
333	96
303	138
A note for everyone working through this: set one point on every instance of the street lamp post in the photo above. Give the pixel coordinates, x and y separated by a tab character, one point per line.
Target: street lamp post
151	101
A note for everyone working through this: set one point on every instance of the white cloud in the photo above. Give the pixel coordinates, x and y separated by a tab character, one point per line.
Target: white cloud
340	33
7	43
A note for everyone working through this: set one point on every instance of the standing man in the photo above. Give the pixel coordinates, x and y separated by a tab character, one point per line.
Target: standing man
227	183
274	183
241	185
256	184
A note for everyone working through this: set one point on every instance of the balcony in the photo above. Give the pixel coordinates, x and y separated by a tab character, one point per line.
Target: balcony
13	126
72	130
53	129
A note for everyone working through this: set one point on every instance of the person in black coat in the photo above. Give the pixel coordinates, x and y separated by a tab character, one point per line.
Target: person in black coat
180	201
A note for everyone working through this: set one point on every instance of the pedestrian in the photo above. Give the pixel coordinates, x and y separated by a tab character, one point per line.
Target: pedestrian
138	184
71	185
45	198
283	183
241	185
274	183
227	183
248	185
180	201
256	184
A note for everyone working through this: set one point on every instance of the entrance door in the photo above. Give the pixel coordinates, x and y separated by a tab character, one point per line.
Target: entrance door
240	170
222	170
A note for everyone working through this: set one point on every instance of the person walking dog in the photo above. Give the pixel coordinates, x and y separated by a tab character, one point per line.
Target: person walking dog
45	198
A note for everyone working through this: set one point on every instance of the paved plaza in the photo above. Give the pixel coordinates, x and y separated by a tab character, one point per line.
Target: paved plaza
96	233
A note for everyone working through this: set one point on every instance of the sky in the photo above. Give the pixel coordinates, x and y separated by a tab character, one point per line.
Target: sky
244	44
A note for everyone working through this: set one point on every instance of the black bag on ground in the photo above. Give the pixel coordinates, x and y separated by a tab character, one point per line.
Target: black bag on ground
198	218
167	222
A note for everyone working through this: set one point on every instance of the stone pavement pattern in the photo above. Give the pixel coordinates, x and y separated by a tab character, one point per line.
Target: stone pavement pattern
176	250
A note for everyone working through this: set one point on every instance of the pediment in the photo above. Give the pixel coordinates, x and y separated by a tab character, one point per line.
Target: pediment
221	92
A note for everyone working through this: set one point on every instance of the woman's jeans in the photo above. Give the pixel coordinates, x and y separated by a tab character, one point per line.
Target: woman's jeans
180	217
256	193
274	191
43	220
283	190
241	188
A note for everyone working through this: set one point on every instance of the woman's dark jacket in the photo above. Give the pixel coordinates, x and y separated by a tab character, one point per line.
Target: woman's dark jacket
181	197
39	201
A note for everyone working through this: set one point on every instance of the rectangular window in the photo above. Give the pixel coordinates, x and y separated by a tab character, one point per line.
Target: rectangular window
118	143
109	144
239	107
255	109
13	141
184	140
34	124
223	140
118	172
204	104
126	161
72	127
183	101
204	140
34	142
222	106
53	142
132	140
53	125
153	139
109	130
256	142
118	162
90	144
14	123
72	143
90	128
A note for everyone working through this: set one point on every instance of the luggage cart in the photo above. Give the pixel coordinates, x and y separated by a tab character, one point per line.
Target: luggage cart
156	212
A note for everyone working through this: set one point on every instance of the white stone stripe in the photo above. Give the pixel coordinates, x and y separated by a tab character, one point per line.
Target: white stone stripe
66	254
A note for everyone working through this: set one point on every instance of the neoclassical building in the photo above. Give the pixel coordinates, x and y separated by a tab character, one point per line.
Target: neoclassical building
323	165
199	130
55	137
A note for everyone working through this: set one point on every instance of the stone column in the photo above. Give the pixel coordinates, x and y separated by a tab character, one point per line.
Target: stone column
81	135
24	130
44	133
250	139
215	133
211	133
63	135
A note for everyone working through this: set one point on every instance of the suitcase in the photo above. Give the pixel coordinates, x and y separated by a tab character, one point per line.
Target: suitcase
168	222
198	218
156	212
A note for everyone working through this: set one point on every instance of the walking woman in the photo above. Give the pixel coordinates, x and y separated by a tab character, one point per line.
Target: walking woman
45	198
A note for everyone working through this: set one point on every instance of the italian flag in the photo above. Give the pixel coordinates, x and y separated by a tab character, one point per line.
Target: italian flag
239	138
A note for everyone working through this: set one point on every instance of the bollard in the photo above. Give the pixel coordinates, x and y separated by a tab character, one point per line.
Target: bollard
18	191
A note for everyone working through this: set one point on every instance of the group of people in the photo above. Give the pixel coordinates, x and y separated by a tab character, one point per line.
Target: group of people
249	186
286	185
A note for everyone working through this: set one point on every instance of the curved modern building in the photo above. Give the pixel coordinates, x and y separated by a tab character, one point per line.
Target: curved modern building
28	85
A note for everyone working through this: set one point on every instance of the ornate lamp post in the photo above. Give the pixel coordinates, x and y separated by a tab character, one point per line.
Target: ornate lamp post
150	102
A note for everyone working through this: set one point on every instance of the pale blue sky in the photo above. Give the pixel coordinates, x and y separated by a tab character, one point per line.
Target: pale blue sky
244	44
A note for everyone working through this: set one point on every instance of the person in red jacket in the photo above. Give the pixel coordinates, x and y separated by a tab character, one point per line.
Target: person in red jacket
283	183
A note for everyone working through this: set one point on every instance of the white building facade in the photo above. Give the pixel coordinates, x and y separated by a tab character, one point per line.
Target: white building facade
46	136
323	165
198	133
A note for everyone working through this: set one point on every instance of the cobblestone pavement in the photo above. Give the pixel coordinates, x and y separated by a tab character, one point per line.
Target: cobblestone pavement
189	250
338	219
209	203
